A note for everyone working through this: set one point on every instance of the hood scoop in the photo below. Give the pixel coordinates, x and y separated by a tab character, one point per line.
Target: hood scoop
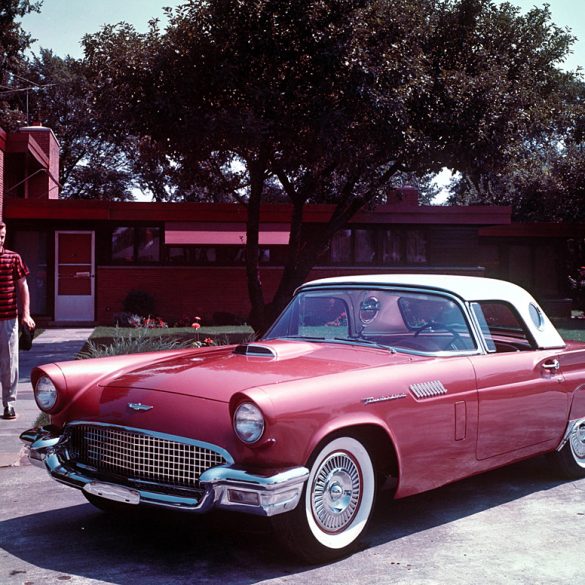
275	350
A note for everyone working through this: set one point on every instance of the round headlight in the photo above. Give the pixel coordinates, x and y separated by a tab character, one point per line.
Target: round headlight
45	393
248	422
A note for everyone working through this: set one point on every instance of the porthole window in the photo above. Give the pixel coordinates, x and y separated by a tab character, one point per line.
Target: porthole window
536	316
369	310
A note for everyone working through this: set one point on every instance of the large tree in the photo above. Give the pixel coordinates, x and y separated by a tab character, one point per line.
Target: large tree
14	41
94	162
328	100
544	180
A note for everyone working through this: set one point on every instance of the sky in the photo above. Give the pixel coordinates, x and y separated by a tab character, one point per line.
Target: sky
62	23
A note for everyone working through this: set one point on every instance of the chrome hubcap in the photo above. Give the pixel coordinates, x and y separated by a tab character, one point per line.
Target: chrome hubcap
336	492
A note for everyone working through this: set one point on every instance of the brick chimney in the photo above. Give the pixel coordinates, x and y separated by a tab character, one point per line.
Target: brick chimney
44	184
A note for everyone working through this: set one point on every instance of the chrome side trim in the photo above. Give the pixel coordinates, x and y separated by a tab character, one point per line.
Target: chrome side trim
570	428
138	406
388	397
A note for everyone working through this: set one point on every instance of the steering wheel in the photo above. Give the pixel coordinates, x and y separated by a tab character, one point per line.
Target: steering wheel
453	342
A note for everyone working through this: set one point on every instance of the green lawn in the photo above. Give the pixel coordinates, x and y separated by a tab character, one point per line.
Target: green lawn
227	330
104	336
568	328
571	328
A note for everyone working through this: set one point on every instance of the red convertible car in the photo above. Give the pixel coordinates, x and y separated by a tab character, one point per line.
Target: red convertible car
364	384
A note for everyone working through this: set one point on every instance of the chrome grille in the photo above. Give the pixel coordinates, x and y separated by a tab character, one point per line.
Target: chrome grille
139	456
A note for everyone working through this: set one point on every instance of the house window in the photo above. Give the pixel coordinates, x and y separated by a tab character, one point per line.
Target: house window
376	246
416	247
135	244
148	239
365	246
341	247
123	244
391	247
177	255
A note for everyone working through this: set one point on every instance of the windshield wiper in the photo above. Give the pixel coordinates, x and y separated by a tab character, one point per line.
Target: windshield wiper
362	341
299	337
348	340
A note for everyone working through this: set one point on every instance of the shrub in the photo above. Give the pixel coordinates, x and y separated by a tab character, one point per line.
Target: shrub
124	344
223	318
139	302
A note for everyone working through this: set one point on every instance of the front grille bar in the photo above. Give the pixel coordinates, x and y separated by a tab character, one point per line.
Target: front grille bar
141	455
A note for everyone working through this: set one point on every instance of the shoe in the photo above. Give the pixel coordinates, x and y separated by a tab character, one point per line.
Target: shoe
9	413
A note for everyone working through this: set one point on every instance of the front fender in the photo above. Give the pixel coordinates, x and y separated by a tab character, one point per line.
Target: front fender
353	425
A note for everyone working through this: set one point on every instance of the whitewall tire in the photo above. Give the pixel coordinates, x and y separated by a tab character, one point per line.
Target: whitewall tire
336	505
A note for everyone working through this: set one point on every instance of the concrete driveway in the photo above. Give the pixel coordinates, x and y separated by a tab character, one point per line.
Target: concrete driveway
517	525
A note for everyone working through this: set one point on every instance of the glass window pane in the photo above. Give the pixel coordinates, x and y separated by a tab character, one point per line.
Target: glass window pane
365	246
123	244
391	248
323	316
416	247
341	247
148	244
177	255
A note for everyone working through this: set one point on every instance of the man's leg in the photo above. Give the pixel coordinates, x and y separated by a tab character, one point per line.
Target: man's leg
9	360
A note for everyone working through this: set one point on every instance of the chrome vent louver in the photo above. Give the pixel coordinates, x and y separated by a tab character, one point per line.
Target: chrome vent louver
428	389
255	350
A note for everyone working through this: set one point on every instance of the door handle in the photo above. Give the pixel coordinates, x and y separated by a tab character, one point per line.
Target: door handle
551	365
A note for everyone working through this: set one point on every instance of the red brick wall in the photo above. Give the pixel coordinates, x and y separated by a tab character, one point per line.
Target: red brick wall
179	291
188	292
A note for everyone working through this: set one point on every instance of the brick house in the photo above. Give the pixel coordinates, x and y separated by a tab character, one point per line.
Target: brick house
85	256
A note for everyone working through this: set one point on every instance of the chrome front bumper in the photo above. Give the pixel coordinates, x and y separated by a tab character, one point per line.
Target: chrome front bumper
225	486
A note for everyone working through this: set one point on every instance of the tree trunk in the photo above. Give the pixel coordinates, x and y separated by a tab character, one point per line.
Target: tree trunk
257	170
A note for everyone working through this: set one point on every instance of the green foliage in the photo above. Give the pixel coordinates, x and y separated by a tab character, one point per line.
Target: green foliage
139	302
14	41
329	100
544	179
124	344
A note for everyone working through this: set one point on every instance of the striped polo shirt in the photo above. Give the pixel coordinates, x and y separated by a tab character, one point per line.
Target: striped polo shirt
12	269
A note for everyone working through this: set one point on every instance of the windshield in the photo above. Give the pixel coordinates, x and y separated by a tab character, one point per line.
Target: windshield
402	320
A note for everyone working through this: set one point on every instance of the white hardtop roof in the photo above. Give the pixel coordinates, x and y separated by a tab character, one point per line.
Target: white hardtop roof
468	288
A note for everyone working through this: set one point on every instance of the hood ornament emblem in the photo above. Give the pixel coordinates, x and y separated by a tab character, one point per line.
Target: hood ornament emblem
139	406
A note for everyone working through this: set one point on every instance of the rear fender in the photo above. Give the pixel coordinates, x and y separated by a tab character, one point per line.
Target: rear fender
578	403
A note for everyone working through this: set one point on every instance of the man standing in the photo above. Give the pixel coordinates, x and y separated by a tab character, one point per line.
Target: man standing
13	274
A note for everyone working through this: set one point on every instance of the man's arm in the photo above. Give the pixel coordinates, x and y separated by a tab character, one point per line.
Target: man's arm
25	302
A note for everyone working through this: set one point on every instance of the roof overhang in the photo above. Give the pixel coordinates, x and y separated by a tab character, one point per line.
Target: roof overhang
217	234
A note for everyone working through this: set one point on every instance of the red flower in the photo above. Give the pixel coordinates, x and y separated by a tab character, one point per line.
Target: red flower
208	341
195	325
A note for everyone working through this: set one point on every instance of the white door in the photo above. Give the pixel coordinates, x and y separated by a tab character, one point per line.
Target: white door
74	276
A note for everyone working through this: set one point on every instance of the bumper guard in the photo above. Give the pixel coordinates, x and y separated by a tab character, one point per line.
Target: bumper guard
227	487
